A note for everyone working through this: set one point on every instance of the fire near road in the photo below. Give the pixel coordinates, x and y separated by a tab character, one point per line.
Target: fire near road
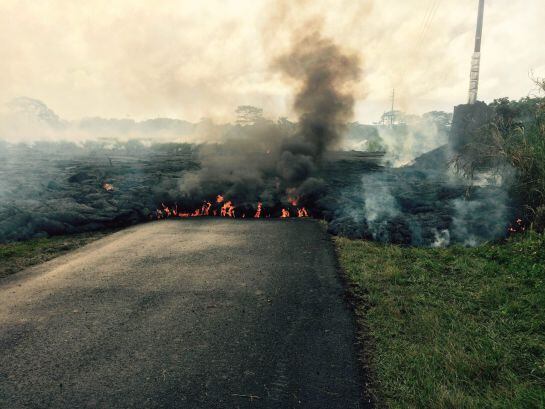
182	314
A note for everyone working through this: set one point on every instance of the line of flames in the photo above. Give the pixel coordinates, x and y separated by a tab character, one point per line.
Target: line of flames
226	208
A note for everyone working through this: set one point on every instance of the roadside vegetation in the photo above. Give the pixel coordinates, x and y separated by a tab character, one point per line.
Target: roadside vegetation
451	328
512	144
463	327
19	255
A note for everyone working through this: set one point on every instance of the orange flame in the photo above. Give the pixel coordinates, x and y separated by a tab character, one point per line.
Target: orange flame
518	227
293	198
228	210
302	212
166	210
205	209
257	214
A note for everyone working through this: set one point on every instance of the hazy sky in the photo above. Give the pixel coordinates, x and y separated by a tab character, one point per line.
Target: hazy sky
193	59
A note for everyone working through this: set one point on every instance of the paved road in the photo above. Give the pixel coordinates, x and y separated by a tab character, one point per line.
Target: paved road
182	314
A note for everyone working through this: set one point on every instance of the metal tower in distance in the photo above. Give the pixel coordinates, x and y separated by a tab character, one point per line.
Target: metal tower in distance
389	117
476	59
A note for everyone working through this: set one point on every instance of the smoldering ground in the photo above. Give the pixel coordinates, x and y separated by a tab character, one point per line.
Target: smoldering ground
52	188
422	204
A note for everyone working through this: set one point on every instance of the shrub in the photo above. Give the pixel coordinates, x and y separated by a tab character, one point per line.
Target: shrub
512	144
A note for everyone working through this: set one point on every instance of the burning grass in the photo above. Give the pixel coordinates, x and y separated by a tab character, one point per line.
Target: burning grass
452	328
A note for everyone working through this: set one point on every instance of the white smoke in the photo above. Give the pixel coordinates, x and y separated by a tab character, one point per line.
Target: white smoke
379	203
28	120
407	141
442	239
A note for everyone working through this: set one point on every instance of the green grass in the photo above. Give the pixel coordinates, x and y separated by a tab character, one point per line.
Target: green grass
451	328
20	255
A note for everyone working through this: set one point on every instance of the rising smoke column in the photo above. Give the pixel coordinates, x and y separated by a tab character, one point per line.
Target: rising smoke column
323	76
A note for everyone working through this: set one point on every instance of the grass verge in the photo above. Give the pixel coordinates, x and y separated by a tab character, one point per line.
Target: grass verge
22	254
451	328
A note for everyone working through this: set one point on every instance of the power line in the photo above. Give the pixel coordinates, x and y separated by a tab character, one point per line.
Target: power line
425	18
425	30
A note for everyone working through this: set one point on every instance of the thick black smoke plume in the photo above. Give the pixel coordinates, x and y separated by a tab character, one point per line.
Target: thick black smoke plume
324	102
272	163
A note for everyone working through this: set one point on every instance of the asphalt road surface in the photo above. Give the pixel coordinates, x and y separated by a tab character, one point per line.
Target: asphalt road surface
183	314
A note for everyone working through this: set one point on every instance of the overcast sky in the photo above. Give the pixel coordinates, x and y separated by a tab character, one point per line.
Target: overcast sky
193	59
